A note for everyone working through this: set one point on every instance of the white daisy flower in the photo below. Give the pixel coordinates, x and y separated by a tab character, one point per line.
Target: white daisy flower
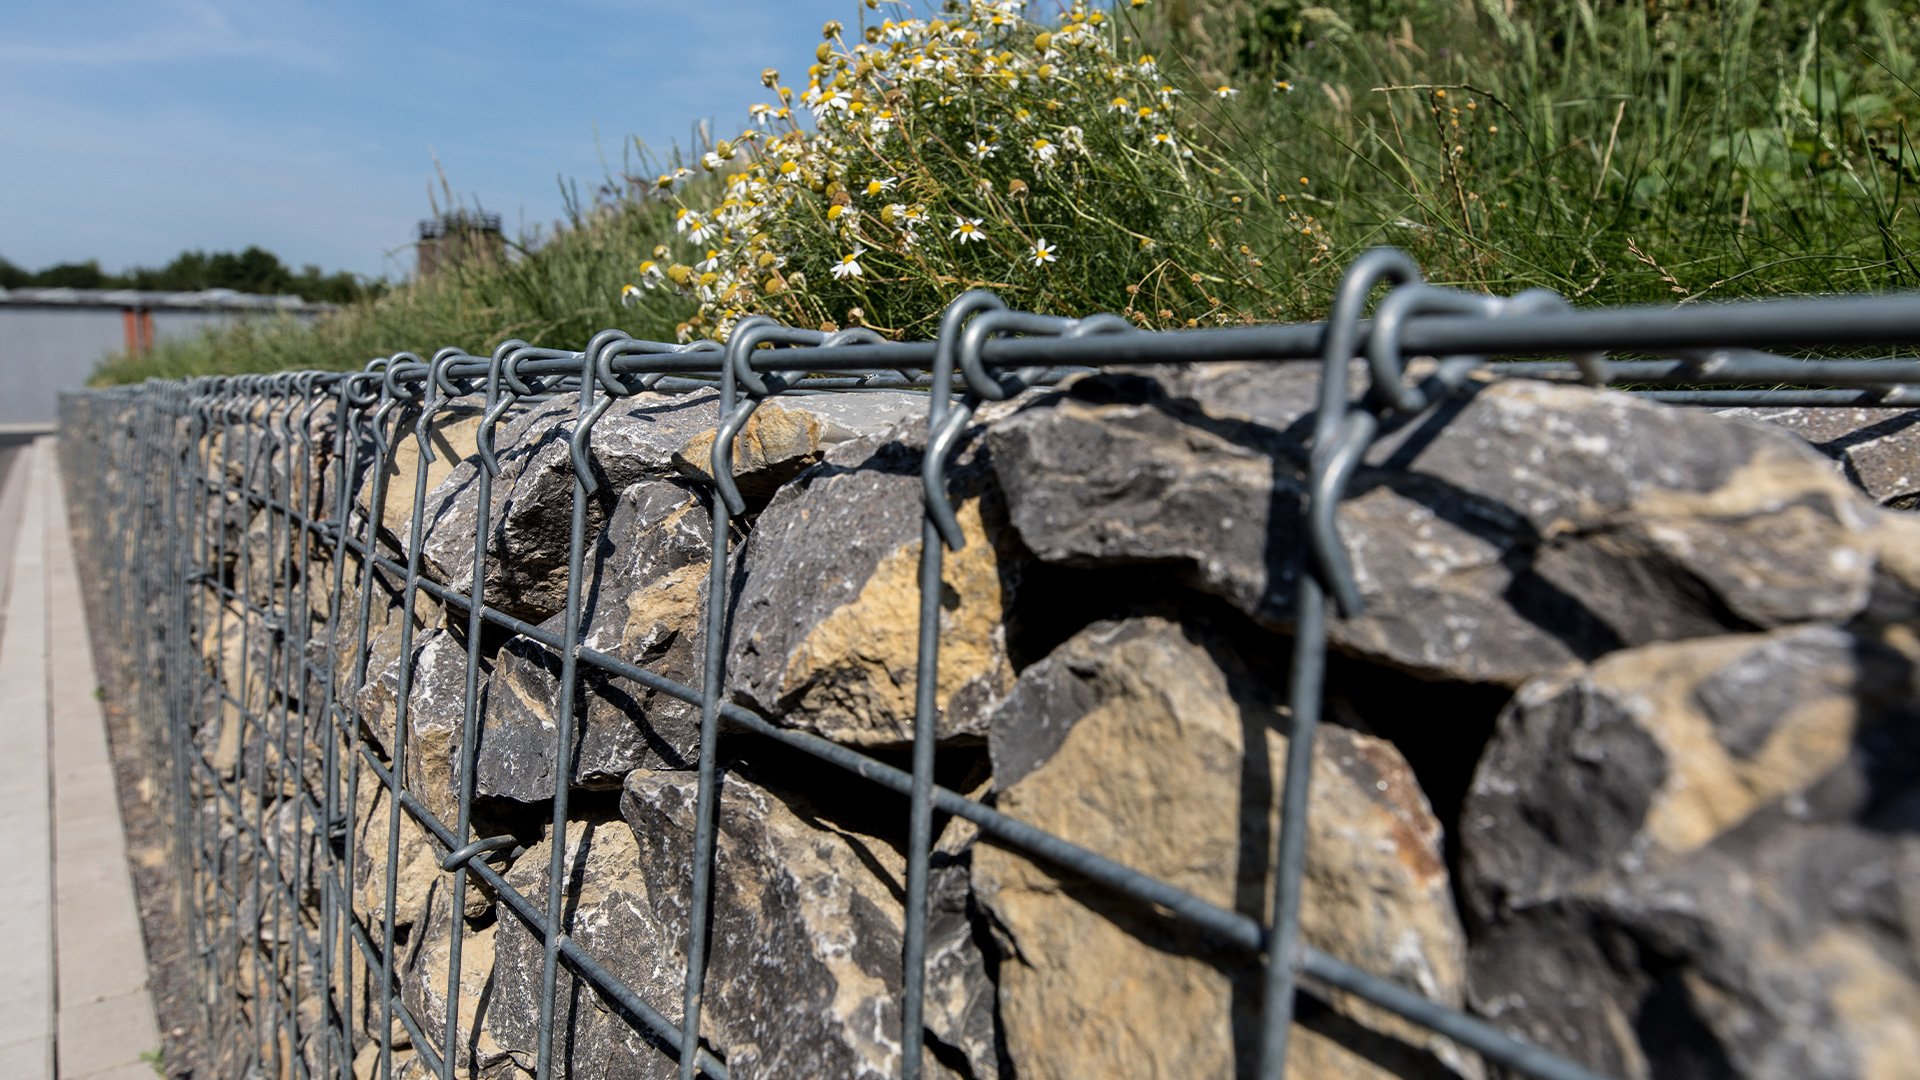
982	150
1225	92
966	230
826	102
849	264
1043	253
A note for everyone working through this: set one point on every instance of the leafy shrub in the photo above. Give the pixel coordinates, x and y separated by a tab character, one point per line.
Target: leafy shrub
1049	162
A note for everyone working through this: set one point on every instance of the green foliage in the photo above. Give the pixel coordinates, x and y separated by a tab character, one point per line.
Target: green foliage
254	270
1046	161
1614	151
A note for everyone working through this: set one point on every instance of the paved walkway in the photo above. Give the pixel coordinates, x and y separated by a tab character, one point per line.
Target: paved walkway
73	966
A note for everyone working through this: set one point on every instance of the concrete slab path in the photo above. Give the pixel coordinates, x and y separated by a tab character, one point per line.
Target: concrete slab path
73	966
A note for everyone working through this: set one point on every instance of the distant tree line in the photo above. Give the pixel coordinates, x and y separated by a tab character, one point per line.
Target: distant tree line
254	270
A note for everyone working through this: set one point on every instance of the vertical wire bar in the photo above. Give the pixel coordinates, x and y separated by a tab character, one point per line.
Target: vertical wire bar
229	960
195	688
563	740
339	865
395	790
469	724
288	939
410	592
300	614
926	706
706	793
1340	343
327	873
275	702
177	712
376	496
254	737
926	715
1307	678
289	928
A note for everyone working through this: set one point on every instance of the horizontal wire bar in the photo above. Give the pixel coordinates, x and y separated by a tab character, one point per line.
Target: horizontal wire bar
1228	926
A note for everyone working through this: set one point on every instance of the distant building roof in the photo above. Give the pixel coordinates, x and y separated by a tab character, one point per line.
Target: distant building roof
207	300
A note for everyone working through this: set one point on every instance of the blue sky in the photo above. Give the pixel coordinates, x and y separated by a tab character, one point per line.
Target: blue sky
132	130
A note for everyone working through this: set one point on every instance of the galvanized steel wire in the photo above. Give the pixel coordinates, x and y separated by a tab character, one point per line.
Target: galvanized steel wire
156	466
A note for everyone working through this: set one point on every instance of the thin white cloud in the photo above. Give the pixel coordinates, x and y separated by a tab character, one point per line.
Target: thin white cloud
167	34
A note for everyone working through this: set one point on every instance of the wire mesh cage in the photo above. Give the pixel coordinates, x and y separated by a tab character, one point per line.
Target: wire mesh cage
256	537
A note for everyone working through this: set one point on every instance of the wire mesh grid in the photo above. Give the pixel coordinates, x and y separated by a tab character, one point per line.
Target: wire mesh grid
244	675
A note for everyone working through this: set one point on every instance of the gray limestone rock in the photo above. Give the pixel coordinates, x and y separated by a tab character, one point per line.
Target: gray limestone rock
825	629
643	603
1521	528
785	435
1877	449
531	508
611	915
423	984
1703	859
436	713
804	974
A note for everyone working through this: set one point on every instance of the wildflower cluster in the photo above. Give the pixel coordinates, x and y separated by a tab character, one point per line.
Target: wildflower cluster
926	155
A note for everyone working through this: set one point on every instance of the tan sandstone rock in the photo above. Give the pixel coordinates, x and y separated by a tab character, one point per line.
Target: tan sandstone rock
1131	740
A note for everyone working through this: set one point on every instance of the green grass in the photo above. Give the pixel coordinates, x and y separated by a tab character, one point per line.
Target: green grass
1707	150
1615	151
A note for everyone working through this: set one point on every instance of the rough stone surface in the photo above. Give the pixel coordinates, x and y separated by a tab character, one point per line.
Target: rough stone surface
1689	848
531	507
436	712
452	434
423	985
804	974
1703	859
612	917
826	624
787	434
644	603
361	651
1519	529
419	861
1130	740
1877	449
